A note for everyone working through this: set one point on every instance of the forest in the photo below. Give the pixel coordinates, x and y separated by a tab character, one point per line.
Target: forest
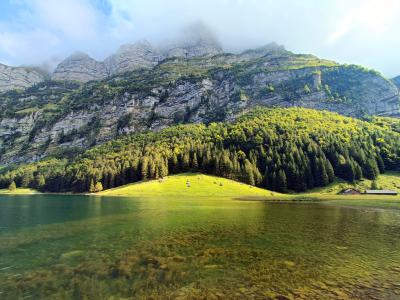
280	149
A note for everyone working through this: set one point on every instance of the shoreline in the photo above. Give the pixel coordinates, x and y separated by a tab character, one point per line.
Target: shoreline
279	198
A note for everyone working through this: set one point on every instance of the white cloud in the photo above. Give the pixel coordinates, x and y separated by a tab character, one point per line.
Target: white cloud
359	31
74	19
369	17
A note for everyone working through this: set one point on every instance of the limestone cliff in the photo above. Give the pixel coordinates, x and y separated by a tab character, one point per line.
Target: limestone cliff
57	118
80	67
19	77
133	56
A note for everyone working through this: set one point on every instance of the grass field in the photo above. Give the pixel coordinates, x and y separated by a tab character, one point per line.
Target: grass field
386	181
200	185
19	191
211	186
206	185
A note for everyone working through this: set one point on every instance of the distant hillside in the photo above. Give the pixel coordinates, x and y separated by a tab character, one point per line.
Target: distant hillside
20	77
63	117
278	149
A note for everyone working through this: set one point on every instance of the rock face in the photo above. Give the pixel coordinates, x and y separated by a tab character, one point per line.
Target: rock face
19	77
205	89
133	56
80	67
196	41
396	81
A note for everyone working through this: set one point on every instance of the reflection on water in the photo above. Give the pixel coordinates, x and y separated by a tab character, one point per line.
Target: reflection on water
80	247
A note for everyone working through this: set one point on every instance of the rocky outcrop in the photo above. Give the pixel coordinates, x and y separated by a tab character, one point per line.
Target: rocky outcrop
133	56
269	49
396	81
80	67
196	41
19	77
204	89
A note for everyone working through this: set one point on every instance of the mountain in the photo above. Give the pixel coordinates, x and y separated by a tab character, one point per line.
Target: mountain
133	56
396	81
61	118
20	77
79	67
279	149
197	40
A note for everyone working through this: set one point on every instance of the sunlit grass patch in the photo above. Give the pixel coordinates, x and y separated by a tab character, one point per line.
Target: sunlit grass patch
189	185
19	191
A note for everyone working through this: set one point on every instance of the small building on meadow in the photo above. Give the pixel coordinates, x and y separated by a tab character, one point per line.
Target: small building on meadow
381	192
350	192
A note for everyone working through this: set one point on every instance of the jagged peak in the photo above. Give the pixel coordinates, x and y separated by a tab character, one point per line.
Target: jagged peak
78	55
396	81
140	44
266	49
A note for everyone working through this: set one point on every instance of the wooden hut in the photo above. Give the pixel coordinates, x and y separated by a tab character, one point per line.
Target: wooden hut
350	192
381	192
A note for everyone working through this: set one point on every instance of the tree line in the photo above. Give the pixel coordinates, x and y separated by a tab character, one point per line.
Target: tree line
279	149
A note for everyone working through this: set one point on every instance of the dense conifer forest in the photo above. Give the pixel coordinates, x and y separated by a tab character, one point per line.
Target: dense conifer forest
281	149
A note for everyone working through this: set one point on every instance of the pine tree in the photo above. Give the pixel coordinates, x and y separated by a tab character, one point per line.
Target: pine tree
12	186
162	168
248	174
174	164
329	170
257	176
349	172
152	169
185	164
374	185
195	163
27	178
98	187
144	169
281	183
40	181
225	165
371	170
381	164
92	188
266	182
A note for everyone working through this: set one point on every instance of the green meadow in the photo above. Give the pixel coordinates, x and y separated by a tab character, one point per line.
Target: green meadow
189	184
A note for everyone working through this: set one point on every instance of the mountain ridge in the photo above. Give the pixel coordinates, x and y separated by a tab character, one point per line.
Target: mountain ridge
62	116
20	77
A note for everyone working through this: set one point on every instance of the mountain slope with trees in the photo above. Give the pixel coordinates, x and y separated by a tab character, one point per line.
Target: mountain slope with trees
280	149
66	118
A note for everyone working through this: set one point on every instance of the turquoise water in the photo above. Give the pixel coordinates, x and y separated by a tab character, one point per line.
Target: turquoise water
82	247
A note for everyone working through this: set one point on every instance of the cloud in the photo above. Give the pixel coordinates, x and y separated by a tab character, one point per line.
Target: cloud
370	17
351	31
73	19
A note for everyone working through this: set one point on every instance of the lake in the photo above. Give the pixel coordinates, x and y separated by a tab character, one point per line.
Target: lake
86	247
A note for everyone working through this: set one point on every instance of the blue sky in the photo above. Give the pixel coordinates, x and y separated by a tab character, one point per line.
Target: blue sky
349	31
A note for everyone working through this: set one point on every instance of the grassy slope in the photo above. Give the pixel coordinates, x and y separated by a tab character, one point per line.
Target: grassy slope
387	181
200	185
19	191
206	185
